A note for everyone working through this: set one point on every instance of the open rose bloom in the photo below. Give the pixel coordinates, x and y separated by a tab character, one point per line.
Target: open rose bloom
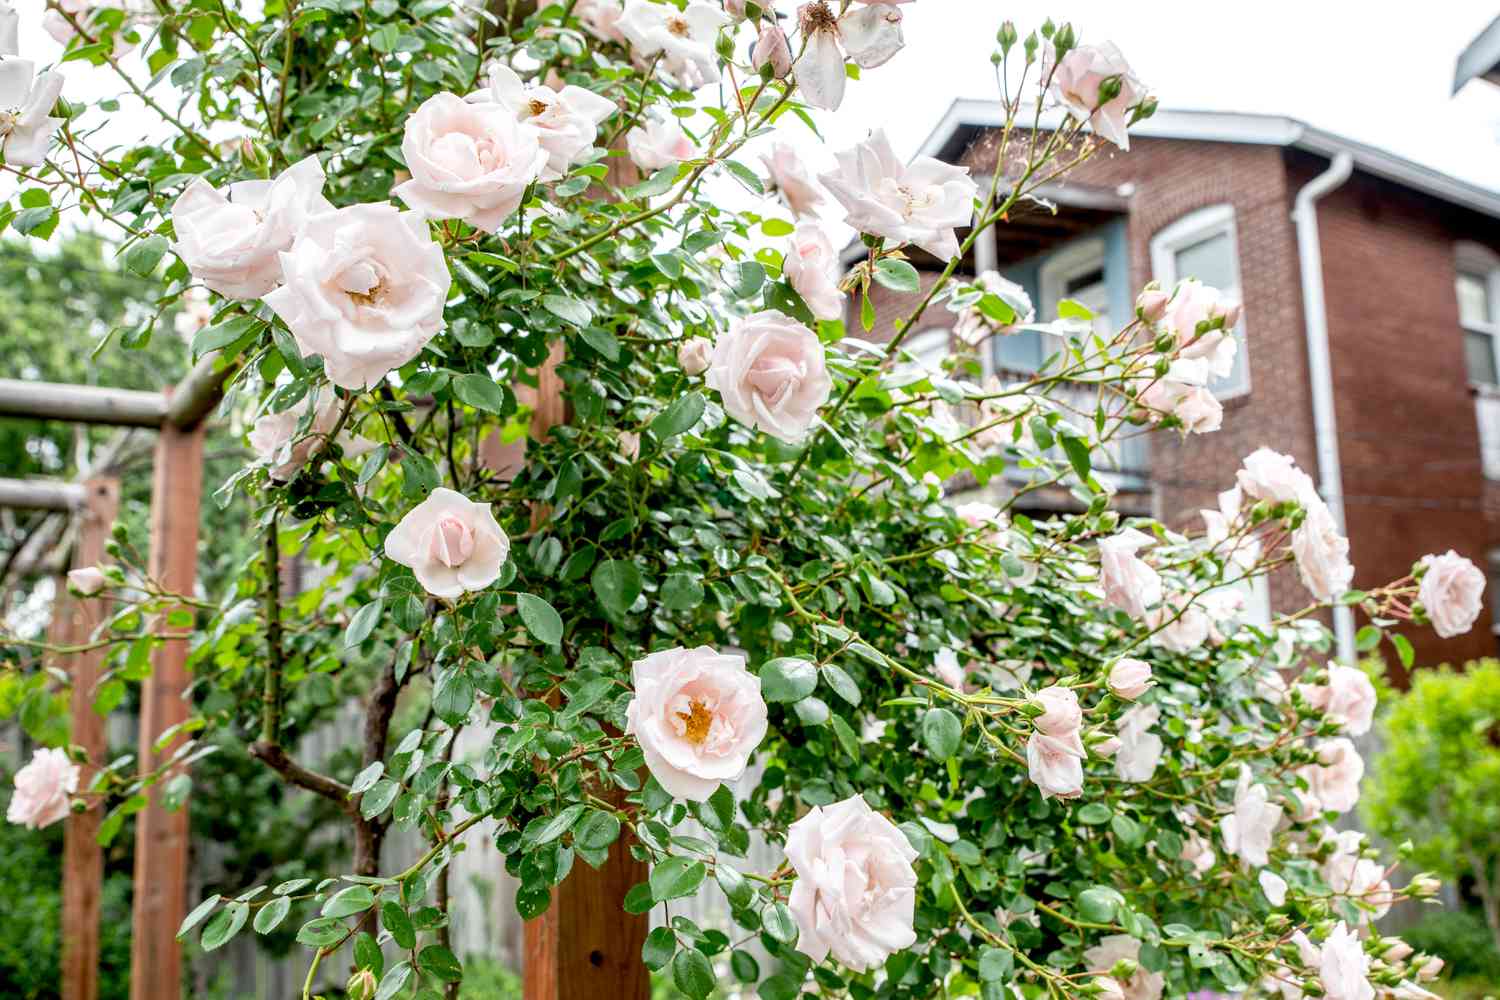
26	121
855	893
698	715
43	788
770	371
451	544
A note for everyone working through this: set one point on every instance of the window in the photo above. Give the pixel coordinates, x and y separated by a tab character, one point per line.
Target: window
1203	245
1074	272
1477	286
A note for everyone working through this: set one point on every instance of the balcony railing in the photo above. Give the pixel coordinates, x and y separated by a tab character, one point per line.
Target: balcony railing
1125	462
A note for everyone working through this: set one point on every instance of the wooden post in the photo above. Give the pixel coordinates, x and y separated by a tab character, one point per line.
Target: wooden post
83	858
161	837
585	947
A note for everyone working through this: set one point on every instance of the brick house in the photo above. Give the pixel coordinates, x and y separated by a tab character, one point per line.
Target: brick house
1368	341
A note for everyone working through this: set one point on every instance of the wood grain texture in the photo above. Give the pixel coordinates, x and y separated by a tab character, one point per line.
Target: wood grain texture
83	858
161	837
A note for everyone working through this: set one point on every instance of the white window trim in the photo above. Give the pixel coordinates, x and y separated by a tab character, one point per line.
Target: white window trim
1061	267
1194	227
1482	263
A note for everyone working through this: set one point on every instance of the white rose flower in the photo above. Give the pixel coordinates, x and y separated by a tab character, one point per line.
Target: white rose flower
1077	83
1055	765
855	894
1110	950
698	715
567	121
771	374
1248	830
659	143
1129	678
26	101
43	788
694	355
919	203
1273	885
1334	780
684	38
274	436
1271	476
1348	698
1129	583
87	580
1182	393
1322	553
1343	967
789	176
1140	749
469	160
365	289
451	544
1452	593
870	35
812	267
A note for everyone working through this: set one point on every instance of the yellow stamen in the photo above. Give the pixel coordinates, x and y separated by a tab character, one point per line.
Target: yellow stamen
696	722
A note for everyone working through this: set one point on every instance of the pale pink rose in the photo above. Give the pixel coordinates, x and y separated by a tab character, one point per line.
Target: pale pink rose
1322	553
1182	393
659	143
948	670
1398	952
1349	873
684	38
469	160
1129	583
87	580
1430	969
1347	699
1271	476
694	355
1199	853
232	240
1219	527
870	35
1061	717
1140	749
601	18
42	789
856	890
1107	747
364	289
197	311
735	8
1223	609
978	514
451	544
1076	84
1110	950
972	326
789	176
698	715
1203	320
85	13
26	102
1108	988
771	49
921	202
1151	304
1343	967
1452	593
1129	678
812	266
1334	780
567	121
1055	765
630	445
276	442
1273	885
771	374
1180	627
1248	830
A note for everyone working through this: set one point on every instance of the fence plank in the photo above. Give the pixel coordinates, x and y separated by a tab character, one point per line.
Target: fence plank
161	837
83	858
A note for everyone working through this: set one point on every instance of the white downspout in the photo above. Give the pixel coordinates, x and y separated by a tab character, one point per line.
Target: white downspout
1319	367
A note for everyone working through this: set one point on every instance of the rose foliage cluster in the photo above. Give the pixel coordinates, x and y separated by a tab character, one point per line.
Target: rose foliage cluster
563	405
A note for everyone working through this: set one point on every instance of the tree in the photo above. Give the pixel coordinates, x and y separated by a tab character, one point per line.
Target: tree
1436	782
997	751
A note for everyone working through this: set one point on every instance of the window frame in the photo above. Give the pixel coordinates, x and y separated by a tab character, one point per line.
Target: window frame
1480	262
1195	227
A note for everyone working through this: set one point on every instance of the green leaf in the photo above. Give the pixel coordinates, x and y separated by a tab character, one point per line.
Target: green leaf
941	732
681	592
224	925
435	960
377	799
777	227
363	623
366	778
272	914
394	981
598	831
1078	454
1367	638
480	391
540	619
568	309
617	584
211	338
995	965
1404	649
897	275
453	696
660	944
394	919
1094	814
557	825
1071	309
787	678
680	416
658	183
676	877
692	973
1099	904
349	901
143	256
194	918
842	684
779	923
737	889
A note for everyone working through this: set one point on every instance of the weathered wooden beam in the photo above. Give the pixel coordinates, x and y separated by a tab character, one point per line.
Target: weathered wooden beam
83	858
161	837
84	404
40	494
200	390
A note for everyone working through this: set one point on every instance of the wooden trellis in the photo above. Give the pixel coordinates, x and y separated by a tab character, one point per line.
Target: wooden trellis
585	947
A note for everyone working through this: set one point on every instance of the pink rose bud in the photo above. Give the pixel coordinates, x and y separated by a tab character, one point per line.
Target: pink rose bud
694	355
1430	969
771	49
630	445
1130	678
1396	952
1107	748
87	581
734	8
1425	885
361	985
42	789
1151	304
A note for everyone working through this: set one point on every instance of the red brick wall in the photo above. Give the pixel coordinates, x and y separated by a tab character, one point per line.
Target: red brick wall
1408	438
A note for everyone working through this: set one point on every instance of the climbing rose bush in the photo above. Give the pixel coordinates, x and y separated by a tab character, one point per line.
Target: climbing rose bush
734	579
